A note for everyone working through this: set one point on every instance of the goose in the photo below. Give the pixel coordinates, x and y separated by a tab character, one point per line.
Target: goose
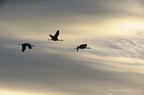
82	46
55	37
24	46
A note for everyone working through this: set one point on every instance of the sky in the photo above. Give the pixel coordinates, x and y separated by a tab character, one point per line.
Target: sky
113	29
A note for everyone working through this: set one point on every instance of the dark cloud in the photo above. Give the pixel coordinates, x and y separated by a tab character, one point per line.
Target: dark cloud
2	2
70	9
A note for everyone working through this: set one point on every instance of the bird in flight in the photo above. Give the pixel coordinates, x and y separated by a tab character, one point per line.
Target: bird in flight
55	37
24	45
82	46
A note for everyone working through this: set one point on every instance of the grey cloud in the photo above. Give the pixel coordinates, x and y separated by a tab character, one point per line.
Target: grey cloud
131	46
69	9
64	70
122	44
2	2
42	72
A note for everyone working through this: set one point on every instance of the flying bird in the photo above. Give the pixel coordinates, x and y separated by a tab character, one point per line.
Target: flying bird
55	37
24	45
82	46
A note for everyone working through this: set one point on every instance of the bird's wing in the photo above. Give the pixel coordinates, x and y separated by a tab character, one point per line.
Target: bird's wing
77	48
23	47
51	36
56	35
29	46
83	45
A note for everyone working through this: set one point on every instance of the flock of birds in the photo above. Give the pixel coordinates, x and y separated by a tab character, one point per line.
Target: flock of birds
54	38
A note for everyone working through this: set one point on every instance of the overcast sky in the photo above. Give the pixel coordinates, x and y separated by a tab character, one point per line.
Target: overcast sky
114	29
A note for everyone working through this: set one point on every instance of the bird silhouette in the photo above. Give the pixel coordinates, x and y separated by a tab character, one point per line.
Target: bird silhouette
24	46
82	46
55	37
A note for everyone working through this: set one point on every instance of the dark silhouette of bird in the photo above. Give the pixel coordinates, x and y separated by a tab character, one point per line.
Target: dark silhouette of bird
24	45
82	46
55	37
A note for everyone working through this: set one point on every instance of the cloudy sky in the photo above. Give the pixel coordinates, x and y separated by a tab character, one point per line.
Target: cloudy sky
114	29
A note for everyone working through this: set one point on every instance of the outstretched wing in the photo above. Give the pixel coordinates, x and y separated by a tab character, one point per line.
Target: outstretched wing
77	48
23	47
51	36
29	46
83	45
56	35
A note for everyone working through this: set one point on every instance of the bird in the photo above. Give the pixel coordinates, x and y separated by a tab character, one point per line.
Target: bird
55	37
82	46
24	46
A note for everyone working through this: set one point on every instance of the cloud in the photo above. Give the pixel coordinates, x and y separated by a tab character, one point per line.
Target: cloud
2	2
71	16
74	8
56	73
127	46
64	71
55	67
